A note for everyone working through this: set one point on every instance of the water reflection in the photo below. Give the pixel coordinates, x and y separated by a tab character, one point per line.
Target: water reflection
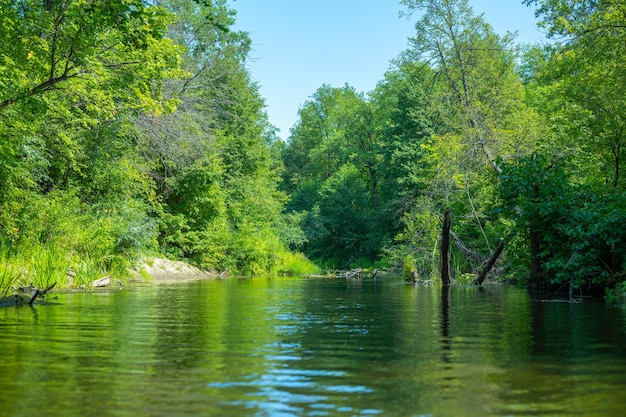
308	347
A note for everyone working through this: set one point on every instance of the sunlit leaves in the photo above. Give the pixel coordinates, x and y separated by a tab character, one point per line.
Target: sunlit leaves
580	82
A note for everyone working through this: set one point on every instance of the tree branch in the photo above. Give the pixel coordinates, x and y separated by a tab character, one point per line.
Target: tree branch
41	88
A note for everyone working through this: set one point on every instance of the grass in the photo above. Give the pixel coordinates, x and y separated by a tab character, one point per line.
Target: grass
295	264
9	276
48	266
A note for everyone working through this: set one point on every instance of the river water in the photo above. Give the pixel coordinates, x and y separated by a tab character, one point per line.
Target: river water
312	347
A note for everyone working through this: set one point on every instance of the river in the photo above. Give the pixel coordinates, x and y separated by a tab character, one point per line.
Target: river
312	347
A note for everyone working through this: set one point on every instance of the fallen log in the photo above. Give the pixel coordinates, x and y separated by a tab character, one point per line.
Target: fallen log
355	273
25	295
492	260
33	298
464	249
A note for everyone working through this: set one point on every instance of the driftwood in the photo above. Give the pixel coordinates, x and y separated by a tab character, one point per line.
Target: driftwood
25	295
492	260
355	273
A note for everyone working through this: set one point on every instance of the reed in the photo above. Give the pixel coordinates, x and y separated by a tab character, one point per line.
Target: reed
49	265
10	272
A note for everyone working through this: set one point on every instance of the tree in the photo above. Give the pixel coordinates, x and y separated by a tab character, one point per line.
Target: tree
76	68
211	159
585	70
477	113
132	127
479	90
403	126
71	40
71	73
563	196
334	149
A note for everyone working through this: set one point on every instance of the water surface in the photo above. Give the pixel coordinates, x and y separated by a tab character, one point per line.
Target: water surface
312	347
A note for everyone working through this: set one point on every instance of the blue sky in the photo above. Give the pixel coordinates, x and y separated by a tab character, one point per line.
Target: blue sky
298	45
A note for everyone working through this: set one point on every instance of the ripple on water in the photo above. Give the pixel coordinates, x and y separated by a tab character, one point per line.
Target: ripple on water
292	391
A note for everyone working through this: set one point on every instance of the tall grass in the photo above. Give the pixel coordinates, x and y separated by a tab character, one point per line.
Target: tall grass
10	271
9	276
57	238
49	265
294	264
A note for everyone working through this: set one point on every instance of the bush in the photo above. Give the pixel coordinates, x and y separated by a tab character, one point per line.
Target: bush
295	264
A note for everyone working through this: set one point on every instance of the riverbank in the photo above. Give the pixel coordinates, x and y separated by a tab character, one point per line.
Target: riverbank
167	271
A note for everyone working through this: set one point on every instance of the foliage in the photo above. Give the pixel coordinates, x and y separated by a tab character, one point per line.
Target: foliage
331	171
578	226
524	147
132	128
290	263
408	268
616	295
577	87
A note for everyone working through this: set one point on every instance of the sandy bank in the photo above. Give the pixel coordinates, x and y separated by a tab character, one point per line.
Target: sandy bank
159	270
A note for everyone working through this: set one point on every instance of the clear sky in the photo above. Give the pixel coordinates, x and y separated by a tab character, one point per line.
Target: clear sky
298	45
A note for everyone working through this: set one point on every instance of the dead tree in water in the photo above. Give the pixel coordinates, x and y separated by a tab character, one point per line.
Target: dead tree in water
492	260
25	295
444	269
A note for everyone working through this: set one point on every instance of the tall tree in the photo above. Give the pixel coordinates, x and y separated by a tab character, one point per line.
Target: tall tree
71	74
477	110
585	68
77	65
211	157
479	89
332	149
567	192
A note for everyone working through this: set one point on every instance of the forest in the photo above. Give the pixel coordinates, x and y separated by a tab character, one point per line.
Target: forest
132	129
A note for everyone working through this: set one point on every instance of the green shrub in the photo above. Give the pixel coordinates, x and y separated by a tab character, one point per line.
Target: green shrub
616	295
408	268
295	264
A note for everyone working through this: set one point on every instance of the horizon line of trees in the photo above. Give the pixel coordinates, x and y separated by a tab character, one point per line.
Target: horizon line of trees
132	129
521	143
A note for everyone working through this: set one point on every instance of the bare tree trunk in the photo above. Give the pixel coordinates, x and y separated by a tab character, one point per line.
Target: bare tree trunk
444	269
492	260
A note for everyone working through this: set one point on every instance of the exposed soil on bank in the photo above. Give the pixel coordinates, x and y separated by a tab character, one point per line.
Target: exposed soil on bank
159	270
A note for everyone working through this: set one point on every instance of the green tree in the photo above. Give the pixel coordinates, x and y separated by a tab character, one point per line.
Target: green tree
568	191
334	146
71	73
477	112
212	158
403	126
585	70
478	90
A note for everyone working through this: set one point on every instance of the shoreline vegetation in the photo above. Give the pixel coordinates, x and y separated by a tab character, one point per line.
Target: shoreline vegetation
131	128
150	270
